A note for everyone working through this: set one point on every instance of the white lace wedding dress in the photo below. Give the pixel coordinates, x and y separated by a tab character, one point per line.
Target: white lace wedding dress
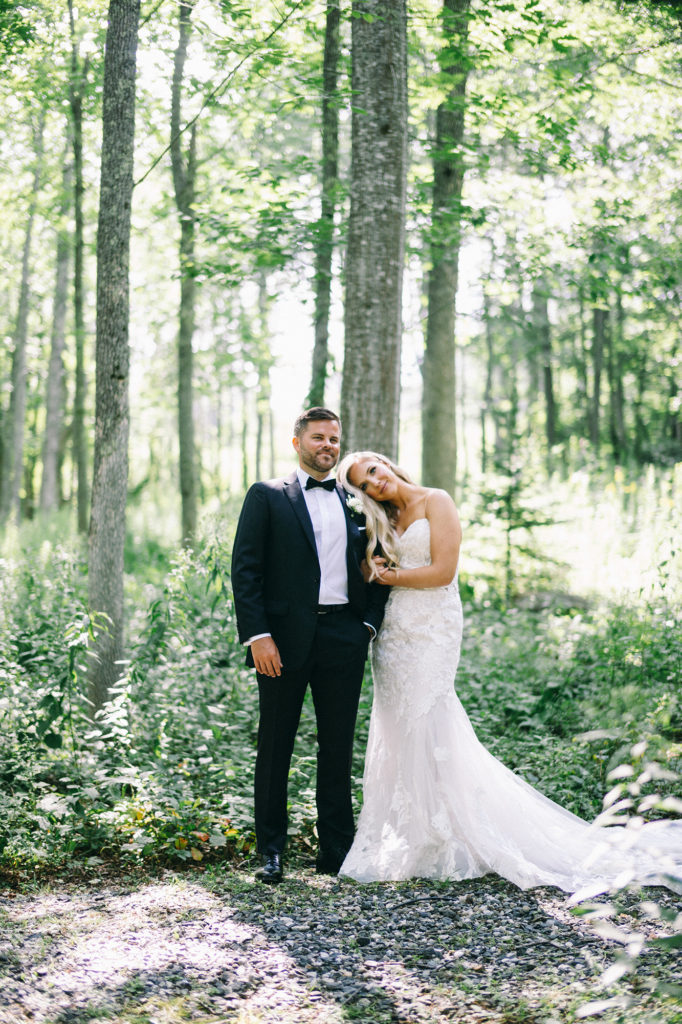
437	804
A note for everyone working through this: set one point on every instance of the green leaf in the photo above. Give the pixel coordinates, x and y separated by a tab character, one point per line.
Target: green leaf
53	740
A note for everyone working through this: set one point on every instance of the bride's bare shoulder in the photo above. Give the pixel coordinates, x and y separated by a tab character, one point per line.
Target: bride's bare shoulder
437	498
442	512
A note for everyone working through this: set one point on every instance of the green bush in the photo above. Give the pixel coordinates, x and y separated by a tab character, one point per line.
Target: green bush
166	772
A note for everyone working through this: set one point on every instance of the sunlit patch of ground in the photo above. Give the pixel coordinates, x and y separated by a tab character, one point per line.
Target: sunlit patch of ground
222	948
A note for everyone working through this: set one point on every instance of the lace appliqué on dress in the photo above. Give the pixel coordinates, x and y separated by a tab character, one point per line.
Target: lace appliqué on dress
437	804
422	633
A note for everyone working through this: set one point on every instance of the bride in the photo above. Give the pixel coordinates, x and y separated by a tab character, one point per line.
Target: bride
436	803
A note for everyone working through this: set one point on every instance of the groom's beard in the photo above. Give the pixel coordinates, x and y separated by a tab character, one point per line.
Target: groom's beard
319	463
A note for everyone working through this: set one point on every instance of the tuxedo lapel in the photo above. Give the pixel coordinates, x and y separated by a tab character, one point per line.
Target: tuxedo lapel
292	490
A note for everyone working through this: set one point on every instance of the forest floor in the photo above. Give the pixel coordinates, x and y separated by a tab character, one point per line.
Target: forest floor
218	948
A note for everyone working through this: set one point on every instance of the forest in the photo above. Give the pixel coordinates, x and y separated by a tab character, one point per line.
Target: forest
458	222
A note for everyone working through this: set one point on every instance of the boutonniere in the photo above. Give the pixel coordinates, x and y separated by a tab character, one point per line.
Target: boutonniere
354	505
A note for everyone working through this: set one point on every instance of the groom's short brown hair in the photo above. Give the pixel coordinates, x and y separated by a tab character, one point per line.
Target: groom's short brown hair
317	412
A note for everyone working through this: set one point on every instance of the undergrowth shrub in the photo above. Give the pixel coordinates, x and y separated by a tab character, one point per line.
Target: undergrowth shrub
562	698
166	772
621	917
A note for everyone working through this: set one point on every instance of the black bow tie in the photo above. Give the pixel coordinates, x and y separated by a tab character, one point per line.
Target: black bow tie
328	485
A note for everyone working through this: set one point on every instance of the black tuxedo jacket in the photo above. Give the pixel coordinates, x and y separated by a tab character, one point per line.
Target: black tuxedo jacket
276	571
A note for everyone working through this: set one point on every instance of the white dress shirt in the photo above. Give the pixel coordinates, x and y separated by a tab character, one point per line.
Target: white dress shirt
329	526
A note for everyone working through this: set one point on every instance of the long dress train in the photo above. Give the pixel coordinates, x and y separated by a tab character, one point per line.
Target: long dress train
438	805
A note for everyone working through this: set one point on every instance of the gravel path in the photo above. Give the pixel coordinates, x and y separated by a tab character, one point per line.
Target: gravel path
217	948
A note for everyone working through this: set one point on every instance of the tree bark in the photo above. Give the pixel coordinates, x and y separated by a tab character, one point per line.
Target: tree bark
370	392
264	394
79	74
600	316
641	378
245	439
110	476
542	340
614	363
324	243
581	360
487	403
673	420
439	426
15	421
54	409
184	179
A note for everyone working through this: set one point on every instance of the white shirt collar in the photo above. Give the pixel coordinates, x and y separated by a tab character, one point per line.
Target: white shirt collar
303	477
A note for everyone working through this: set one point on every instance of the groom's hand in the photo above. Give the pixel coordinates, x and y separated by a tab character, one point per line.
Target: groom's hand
266	656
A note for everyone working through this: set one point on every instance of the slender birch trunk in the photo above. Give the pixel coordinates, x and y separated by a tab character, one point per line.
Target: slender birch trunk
324	244
184	181
54	408
370	393
110	476
77	84
439	422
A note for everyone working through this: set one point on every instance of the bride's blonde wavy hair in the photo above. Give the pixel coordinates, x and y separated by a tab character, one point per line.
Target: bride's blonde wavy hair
380	516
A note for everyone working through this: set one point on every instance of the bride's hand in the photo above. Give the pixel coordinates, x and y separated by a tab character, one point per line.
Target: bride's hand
380	569
388	575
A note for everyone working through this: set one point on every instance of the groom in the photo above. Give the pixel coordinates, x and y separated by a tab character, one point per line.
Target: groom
307	616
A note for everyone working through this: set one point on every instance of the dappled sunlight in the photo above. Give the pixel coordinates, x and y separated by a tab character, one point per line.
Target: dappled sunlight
315	949
103	949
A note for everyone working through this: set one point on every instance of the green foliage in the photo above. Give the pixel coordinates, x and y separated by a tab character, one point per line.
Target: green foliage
45	630
559	691
16	29
551	696
621	917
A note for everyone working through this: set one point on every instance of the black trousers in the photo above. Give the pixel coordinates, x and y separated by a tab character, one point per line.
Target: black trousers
334	671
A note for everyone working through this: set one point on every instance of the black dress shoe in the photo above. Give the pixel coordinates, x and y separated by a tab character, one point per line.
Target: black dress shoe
271	869
328	863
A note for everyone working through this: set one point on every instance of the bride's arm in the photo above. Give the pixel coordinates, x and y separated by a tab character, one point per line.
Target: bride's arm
446	537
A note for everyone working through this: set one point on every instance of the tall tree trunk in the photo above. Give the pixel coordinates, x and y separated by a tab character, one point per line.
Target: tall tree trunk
487	404
600	316
641	376
77	84
673	420
260	427
13	445
461	397
54	408
324	243
245	439
110	476
271	441
542	338
184	178
439	426
614	363
581	369
30	461
370	391
263	395
217	464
